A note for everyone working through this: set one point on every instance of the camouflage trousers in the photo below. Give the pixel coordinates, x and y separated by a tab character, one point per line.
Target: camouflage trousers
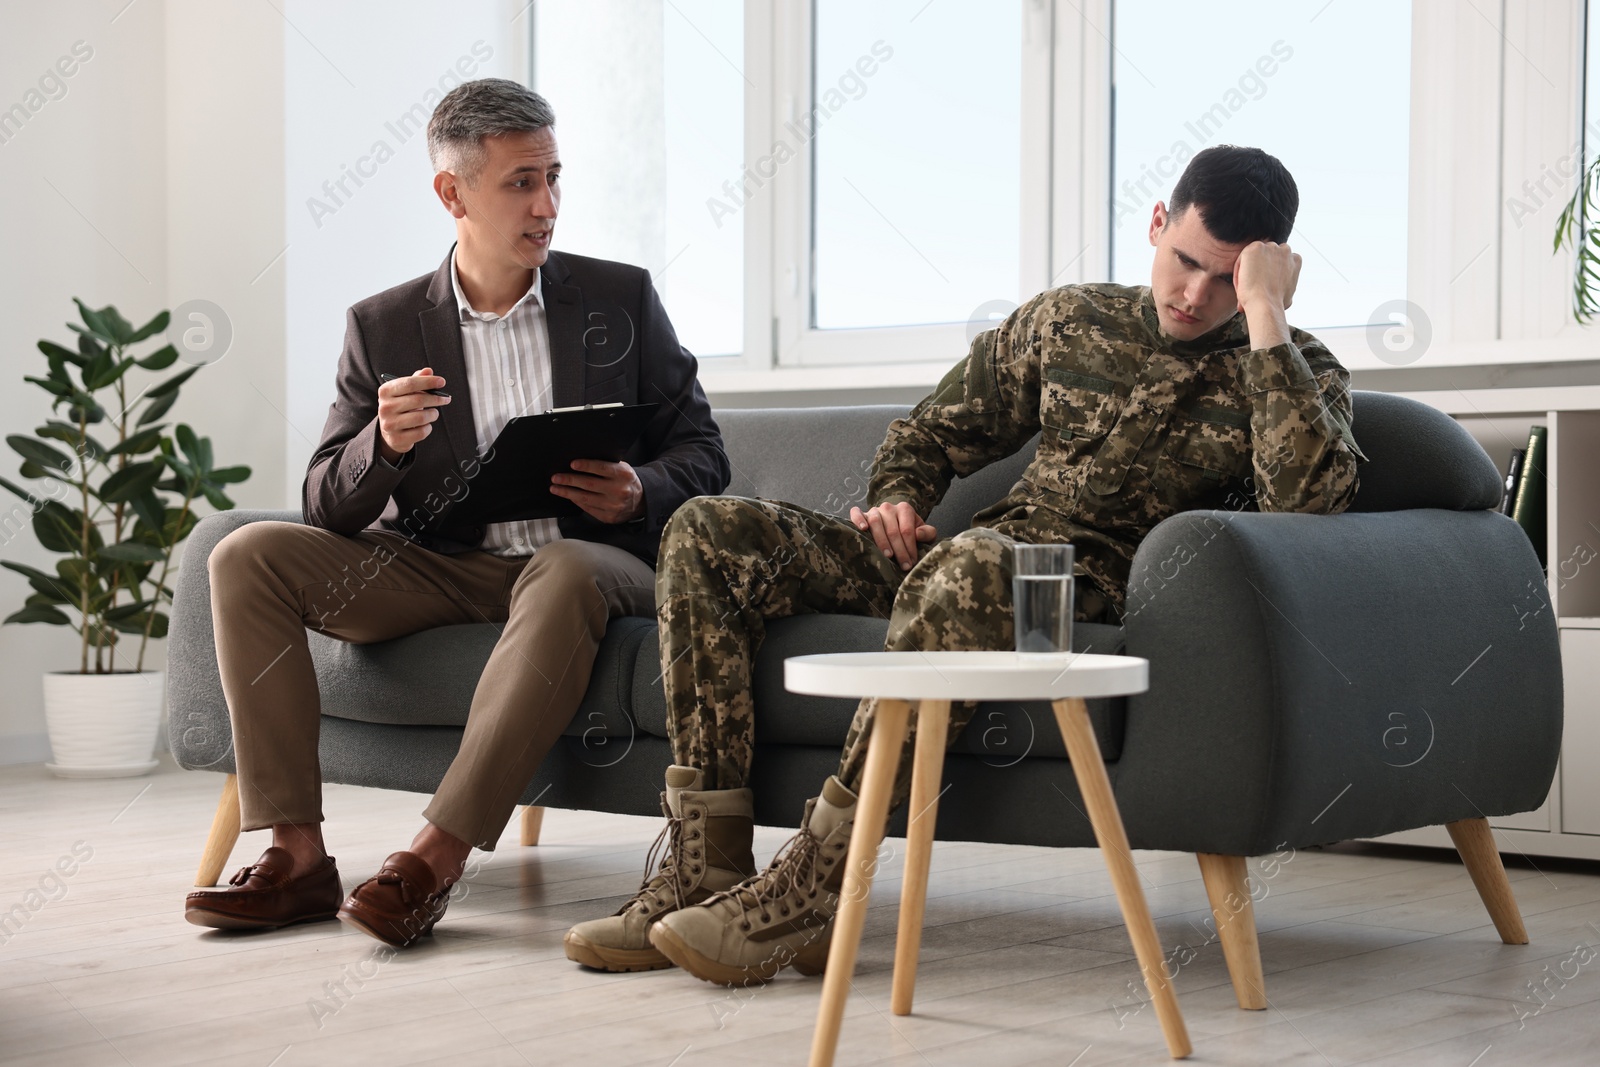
728	564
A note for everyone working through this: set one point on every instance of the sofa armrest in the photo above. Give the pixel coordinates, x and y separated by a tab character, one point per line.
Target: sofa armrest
198	729
1320	678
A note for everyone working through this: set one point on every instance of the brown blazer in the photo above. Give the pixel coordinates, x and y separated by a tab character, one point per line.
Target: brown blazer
610	340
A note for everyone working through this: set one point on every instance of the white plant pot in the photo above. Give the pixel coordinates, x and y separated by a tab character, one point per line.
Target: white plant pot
103	725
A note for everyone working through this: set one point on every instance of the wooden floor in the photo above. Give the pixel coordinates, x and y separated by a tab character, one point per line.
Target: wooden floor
1371	955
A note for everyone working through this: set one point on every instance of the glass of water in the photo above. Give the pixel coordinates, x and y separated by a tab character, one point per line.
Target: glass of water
1041	592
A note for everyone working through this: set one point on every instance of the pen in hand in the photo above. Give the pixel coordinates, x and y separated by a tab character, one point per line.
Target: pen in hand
430	392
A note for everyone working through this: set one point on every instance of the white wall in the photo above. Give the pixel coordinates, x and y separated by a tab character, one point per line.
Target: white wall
166	148
344	100
224	194
83	183
185	150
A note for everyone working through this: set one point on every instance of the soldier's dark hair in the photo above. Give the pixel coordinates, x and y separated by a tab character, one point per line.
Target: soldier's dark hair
1243	194
474	110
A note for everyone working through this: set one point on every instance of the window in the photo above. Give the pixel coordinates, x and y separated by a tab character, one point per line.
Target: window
917	177
850	183
1323	86
649	103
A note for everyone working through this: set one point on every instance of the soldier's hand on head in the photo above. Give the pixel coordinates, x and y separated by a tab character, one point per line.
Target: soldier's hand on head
1265	276
898	530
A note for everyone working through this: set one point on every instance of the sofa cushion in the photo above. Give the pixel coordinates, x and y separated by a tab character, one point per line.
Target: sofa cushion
1002	730
1418	457
838	445
425	679
428	679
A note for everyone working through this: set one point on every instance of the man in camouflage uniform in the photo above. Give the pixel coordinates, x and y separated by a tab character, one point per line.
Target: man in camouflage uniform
1147	401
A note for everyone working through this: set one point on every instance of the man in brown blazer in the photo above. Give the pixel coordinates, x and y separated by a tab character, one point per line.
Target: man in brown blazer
504	327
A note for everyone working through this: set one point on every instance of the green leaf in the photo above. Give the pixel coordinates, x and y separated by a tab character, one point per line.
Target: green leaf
39	613
57	527
184	471
135	624
148	507
85	406
143	441
41	453
68	434
109	374
121	328
172	383
160	359
95	321
171	533
88	345
44	599
98	367
30	469
54	590
227	475
75	571
45	585
133	552
26	571
154	326
156	408
66	355
128	611
186	441
132	481
50	385
24	494
217	497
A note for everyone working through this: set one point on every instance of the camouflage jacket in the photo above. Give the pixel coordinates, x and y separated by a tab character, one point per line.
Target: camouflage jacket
1134	426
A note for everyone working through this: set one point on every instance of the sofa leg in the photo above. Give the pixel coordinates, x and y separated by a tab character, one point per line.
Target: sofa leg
1228	889
532	822
224	834
1475	841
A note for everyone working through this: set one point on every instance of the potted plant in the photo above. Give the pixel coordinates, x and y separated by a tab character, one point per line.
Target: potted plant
118	497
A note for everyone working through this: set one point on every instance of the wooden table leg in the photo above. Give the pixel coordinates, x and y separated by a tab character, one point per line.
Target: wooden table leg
933	726
872	811
1084	752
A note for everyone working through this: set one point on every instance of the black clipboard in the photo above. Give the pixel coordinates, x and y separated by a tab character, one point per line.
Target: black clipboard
514	482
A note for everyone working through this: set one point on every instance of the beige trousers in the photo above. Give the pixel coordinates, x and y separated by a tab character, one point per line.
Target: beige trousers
270	581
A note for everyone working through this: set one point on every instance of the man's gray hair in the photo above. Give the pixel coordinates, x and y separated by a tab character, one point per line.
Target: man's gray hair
474	110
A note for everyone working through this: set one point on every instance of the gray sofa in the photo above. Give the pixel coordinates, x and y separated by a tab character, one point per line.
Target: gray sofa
1285	653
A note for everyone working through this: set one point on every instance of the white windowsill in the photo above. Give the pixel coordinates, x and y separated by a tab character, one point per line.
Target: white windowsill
809	379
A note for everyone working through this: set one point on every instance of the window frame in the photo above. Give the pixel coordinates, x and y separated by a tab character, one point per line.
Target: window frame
1492	290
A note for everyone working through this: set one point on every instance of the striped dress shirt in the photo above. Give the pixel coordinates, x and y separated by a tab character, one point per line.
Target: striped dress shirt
508	374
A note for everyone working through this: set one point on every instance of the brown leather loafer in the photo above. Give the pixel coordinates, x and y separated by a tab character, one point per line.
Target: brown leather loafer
263	897
398	904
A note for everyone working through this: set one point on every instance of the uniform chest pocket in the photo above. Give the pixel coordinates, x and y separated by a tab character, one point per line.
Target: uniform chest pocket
1077	407
1209	448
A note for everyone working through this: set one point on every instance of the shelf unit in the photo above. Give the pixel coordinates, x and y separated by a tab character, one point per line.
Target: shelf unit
1568	823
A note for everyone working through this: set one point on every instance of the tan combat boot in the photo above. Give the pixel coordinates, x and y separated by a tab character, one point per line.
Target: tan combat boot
704	848
782	917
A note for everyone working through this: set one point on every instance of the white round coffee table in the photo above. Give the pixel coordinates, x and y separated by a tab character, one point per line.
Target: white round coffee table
924	684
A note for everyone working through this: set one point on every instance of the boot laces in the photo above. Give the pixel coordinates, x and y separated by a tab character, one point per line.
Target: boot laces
664	860
794	875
